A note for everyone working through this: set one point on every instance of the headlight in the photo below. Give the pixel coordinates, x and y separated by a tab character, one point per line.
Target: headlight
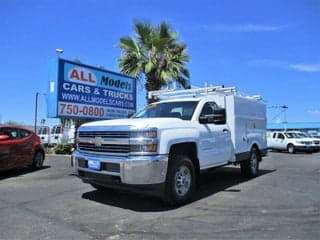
144	142
148	148
149	133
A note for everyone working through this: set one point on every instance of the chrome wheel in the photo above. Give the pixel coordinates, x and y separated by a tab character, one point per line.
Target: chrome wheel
182	181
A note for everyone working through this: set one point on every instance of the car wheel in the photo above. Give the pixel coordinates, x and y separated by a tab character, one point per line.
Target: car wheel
38	160
180	183
291	148
250	167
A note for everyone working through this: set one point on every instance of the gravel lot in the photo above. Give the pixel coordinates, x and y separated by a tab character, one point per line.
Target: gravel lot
282	203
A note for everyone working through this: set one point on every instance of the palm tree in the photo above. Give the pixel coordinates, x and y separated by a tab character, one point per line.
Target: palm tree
156	55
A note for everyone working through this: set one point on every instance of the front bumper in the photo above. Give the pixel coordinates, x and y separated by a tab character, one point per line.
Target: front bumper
135	170
306	148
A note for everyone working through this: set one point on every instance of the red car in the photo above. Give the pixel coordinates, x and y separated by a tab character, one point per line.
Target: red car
20	147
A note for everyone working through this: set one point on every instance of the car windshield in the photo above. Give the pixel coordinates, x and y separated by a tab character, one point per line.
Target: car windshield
293	135
43	130
181	109
303	135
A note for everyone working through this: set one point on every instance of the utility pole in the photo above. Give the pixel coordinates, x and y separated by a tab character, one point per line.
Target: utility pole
36	113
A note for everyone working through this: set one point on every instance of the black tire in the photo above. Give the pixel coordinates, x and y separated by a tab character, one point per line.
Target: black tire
291	149
38	159
250	167
180	181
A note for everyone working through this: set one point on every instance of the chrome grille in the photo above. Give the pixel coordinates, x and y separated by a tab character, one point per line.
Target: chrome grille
106	142
104	134
104	148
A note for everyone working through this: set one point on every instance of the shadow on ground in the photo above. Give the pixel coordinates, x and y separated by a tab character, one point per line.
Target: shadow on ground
211	182
19	171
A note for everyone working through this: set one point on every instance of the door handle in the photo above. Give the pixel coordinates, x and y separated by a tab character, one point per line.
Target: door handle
225	130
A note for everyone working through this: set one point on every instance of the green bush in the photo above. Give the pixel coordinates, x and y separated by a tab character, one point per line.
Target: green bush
63	148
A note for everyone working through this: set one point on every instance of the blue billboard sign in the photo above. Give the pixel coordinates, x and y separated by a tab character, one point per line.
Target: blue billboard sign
82	91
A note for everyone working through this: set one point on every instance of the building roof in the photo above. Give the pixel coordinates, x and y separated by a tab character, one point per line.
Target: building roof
294	125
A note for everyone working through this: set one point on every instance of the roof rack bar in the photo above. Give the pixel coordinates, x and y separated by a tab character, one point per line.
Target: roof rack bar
168	93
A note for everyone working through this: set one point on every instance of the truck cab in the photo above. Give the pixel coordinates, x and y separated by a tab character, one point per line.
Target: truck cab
55	135
165	146
44	134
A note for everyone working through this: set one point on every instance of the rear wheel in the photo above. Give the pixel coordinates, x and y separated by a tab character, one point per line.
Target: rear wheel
291	148
38	160
250	167
180	183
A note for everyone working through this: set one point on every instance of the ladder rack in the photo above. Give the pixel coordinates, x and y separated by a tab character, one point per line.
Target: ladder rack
194	92
198	92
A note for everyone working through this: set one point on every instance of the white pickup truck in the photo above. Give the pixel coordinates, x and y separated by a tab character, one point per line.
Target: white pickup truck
291	141
164	147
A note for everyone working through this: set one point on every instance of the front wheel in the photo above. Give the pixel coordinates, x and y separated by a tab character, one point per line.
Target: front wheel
250	167
38	160
291	148
180	183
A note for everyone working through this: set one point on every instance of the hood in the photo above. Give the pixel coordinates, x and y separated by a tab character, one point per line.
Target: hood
134	124
303	139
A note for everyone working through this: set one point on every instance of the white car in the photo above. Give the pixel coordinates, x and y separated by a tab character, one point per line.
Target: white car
290	141
315	140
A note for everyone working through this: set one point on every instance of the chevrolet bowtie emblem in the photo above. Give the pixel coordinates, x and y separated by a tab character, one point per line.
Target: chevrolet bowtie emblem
98	141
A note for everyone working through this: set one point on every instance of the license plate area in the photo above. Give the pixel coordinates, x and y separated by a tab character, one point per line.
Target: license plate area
94	165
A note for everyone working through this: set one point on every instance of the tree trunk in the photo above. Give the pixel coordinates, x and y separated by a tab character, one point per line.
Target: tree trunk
152	84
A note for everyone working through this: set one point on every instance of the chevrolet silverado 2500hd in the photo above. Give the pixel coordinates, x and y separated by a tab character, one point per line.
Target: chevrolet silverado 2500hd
165	146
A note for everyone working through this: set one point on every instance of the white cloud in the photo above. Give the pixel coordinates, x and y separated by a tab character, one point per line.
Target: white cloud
244	27
305	67
300	67
314	111
268	63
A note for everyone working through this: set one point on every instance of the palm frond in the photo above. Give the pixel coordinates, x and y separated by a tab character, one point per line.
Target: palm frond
155	53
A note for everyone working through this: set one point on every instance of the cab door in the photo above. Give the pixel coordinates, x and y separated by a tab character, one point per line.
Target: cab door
280	141
215	139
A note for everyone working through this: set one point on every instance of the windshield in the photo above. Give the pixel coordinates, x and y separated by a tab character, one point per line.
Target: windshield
303	135
43	130
183	110
294	135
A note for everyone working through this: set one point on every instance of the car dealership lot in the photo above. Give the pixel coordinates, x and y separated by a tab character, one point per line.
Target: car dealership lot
51	203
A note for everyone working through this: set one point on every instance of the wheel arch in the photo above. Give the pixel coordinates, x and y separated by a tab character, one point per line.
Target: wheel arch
189	149
256	146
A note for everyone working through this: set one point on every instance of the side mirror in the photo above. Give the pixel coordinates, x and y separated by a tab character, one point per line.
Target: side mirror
203	119
219	116
4	137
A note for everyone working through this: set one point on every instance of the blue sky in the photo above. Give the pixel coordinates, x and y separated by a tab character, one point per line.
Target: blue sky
266	47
